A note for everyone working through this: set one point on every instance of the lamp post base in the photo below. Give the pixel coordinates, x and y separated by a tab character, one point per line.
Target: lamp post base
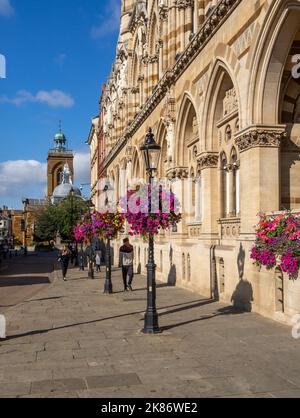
108	288
151	324
91	274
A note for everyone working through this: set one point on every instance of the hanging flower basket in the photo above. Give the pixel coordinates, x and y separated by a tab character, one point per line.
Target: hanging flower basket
83	231
164	210
277	243
108	225
99	225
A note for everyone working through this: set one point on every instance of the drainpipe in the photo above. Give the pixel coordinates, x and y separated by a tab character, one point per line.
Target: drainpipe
213	274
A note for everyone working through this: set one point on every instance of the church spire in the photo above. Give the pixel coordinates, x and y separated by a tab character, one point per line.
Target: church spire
60	139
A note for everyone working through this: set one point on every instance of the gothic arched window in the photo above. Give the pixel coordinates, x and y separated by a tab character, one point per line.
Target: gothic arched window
228	133
224	186
235	183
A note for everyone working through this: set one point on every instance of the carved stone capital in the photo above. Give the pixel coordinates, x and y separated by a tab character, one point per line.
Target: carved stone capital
260	136
183	4
207	160
153	59
177	173
163	12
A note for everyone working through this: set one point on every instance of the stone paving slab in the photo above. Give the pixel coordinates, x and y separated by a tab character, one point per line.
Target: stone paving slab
70	340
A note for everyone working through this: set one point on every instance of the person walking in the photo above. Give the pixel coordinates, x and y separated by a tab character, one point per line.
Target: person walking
98	261
64	259
91	256
126	262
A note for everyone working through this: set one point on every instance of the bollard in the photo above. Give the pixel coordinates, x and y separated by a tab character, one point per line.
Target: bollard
2	327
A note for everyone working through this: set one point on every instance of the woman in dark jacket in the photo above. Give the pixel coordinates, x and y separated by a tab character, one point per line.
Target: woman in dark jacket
64	259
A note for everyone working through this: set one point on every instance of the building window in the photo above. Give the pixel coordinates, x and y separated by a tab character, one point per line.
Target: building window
235	193
279	291
183	267
228	133
189	271
224	183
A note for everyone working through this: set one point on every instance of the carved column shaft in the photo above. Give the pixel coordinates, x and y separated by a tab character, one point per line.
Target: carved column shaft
259	148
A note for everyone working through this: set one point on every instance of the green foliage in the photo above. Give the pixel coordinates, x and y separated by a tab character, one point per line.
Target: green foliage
60	219
46	227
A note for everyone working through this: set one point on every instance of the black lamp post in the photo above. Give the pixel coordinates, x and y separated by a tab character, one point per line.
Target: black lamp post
151	152
91	253
108	286
81	258
80	254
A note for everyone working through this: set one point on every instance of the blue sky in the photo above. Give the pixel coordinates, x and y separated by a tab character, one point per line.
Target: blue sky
57	55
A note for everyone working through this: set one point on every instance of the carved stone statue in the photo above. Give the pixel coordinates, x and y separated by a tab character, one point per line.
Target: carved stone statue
170	138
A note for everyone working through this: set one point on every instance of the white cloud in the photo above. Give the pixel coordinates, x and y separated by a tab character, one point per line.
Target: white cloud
6	8
82	167
21	178
54	98
28	178
109	21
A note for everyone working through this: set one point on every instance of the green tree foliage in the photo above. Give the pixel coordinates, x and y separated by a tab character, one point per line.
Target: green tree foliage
60	219
46	226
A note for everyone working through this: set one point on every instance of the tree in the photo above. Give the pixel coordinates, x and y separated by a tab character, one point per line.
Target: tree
60	219
69	212
46	227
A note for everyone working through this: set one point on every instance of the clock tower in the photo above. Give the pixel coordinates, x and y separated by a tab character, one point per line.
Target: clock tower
58	157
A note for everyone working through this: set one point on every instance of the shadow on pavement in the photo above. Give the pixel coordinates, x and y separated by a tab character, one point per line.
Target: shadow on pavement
223	311
23	281
230	310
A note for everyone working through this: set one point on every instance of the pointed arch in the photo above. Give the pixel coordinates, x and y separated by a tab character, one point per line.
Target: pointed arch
268	64
187	125
162	141
222	80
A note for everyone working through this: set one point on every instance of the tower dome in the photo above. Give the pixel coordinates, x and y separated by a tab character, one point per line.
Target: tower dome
66	187
60	139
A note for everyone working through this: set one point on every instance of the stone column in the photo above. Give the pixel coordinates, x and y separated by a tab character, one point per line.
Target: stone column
198	199
163	42
208	166
181	28
178	176
172	34
259	148
232	199
188	24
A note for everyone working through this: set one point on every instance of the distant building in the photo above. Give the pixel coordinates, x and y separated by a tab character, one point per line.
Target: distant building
57	158
66	187
5	224
93	142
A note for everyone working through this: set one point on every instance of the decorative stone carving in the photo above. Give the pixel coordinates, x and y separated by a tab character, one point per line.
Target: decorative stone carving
163	9
208	160
260	136
177	173
170	138
230	103
153	59
217	18
183	4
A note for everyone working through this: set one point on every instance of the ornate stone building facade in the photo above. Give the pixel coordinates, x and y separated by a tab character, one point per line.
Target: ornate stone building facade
214	80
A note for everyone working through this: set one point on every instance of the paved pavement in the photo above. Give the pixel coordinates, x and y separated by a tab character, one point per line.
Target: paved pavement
22	277
73	341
